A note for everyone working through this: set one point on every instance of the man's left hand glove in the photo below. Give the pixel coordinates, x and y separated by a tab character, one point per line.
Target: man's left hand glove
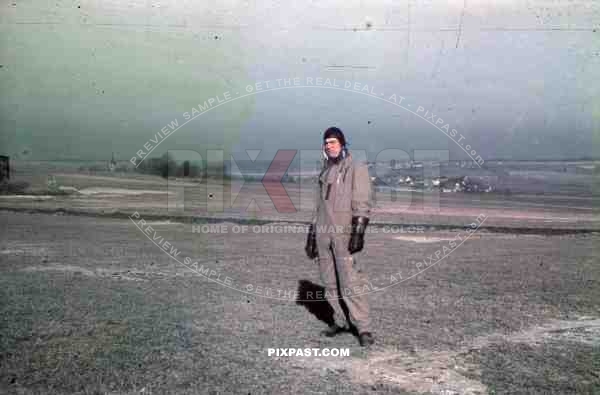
311	243
357	238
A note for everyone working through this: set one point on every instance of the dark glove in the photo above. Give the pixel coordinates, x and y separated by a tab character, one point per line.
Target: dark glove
357	238
311	243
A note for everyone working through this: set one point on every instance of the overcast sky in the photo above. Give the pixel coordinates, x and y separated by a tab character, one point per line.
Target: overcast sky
516	79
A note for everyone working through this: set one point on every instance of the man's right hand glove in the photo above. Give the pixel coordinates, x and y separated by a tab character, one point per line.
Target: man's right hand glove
311	243
357	238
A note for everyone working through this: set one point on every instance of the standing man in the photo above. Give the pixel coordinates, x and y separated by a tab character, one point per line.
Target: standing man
338	228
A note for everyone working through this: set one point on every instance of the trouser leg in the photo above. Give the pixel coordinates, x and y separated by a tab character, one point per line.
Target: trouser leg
328	277
353	285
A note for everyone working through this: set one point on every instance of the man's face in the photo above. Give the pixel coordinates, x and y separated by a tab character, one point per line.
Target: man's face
332	147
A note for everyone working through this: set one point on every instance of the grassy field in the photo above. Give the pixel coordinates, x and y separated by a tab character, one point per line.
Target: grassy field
92	306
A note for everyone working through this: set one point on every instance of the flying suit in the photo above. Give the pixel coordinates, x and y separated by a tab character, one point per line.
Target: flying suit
344	192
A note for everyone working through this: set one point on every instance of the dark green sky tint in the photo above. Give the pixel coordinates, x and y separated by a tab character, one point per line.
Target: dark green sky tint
83	82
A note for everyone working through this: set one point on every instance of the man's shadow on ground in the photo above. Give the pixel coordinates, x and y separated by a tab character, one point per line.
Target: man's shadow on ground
319	307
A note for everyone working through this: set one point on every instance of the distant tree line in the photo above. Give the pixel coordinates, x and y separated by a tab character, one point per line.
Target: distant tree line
167	166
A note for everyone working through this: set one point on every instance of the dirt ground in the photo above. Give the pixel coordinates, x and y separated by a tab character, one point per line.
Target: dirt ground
93	305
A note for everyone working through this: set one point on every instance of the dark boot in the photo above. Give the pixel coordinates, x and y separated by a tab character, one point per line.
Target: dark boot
366	339
333	330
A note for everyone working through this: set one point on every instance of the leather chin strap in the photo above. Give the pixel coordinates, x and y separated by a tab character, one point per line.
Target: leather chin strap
335	160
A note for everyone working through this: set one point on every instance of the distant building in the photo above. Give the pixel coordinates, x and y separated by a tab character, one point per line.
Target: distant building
112	165
4	168
186	168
